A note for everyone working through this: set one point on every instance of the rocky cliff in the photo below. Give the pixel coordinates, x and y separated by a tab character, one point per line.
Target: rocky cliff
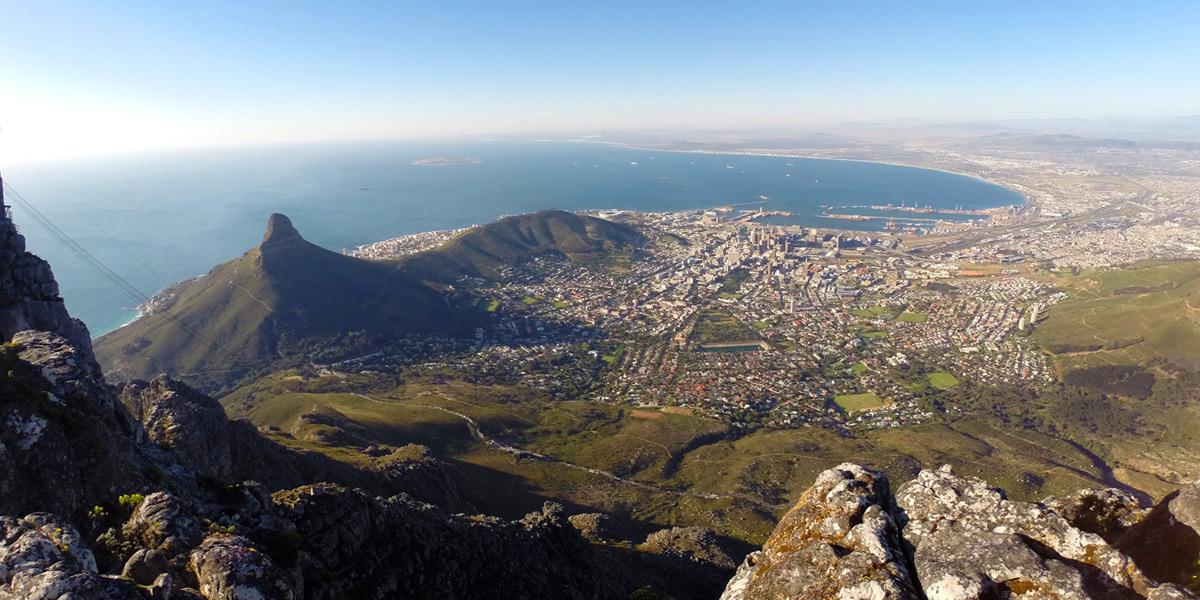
943	537
29	297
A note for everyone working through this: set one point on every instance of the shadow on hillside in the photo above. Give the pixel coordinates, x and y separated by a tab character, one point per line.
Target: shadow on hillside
512	496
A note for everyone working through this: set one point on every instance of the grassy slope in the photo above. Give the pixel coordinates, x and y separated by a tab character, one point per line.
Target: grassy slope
675	452
1105	323
213	327
1147	317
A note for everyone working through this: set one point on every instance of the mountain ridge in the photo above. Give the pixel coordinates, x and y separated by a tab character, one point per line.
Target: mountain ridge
483	251
286	297
263	305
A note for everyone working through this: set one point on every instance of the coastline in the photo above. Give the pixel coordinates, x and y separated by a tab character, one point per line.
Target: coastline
976	176
453	161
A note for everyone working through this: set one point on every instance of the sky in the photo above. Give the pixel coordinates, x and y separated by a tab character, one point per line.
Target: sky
79	77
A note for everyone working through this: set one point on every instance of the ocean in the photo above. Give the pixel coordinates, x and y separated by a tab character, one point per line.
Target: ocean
157	219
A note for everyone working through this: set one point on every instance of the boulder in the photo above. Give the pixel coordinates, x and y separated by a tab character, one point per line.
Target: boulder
972	542
191	425
228	567
145	566
839	541
165	524
66	443
42	557
1108	512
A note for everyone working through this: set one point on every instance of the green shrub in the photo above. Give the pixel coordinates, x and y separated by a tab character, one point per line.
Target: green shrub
130	501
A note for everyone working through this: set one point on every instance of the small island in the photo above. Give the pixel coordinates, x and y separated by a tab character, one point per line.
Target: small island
445	161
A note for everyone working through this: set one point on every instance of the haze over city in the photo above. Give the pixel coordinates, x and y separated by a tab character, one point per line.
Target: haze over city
80	78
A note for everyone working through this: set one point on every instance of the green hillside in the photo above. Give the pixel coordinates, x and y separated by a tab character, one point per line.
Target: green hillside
482	251
675	468
272	302
1126	346
1131	316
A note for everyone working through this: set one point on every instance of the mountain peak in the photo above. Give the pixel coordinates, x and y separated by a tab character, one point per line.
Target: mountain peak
281	234
280	228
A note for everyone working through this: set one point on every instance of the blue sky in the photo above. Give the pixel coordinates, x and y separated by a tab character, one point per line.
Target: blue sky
83	77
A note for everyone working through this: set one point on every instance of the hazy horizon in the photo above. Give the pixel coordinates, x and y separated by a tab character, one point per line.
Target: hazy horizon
79	79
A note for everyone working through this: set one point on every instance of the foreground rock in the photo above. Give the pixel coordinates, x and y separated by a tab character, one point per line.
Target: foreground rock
230	568
66	442
839	541
43	557
971	542
30	293
959	539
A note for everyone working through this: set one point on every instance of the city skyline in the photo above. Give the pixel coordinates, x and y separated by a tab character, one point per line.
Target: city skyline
80	79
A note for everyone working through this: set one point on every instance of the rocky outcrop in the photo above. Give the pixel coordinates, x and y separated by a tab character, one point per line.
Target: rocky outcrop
972	542
1108	513
165	524
43	557
29	297
839	541
66	443
189	424
401	548
944	537
599	527
228	567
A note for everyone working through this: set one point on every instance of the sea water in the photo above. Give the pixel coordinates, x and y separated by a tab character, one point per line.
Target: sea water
158	219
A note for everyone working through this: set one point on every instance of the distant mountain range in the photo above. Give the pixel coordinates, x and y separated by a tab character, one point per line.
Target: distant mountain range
287	297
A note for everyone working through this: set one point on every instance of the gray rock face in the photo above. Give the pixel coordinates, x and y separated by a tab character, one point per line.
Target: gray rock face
146	566
964	540
839	541
67	443
29	295
228	567
971	542
44	557
165	524
1108	513
397	548
191	425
